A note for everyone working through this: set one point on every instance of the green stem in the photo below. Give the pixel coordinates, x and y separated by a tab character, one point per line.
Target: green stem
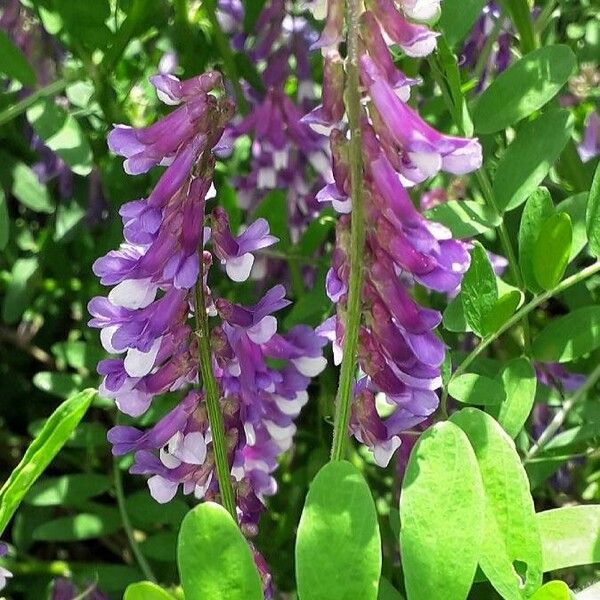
357	237
135	549
525	310
227	56
20	107
561	415
520	15
211	388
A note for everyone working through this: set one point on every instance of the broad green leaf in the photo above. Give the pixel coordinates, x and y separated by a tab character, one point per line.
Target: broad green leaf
146	590
519	382
14	64
528	159
511	553
4	221
441	515
84	526
454	316
458	16
569	337
62	134
523	88
504	308
479	291
214	558
592	215
471	388
537	209
19	289
553	590
339	513
552	250
144	511
160	546
67	490
465	218
24	185
41	451
575	207
570	536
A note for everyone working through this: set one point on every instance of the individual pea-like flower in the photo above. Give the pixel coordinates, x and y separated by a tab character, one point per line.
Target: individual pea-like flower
399	353
157	276
590	145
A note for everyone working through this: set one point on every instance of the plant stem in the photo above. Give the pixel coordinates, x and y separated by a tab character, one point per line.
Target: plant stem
227	56
135	549
525	310
561	415
20	107
215	418
357	237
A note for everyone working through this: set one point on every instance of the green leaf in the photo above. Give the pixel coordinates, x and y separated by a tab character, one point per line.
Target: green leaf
479	291
214	558
511	553
454	316
465	218
68	490
273	208
592	215
519	383
537	209
4	221
458	16
146	590
553	590
503	309
441	515
471	388
19	291
523	88
570	536
569	337
84	526
62	134
575	207
14	64
24	185
528	159
552	250
339	513
41	451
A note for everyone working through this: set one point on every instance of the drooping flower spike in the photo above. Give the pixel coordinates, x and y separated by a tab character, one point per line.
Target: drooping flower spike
399	354
146	319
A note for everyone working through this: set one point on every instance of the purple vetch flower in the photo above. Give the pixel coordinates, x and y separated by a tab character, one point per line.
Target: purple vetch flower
399	354
236	252
146	320
4	573
590	145
420	10
65	589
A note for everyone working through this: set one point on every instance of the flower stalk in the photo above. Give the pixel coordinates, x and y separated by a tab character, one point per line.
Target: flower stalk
357	236
215	417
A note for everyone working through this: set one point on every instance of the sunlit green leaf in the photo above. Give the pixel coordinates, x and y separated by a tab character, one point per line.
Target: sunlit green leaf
593	214
471	388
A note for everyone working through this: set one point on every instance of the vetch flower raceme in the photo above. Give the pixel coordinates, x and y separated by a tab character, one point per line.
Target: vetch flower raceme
399	354
145	320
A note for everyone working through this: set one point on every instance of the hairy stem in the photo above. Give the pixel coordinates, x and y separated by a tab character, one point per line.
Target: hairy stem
561	415
357	238
211	389
135	549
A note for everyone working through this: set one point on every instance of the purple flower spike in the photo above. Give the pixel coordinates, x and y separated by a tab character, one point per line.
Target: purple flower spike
236	252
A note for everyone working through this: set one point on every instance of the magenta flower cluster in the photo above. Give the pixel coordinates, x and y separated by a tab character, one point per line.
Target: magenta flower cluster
157	277
399	353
